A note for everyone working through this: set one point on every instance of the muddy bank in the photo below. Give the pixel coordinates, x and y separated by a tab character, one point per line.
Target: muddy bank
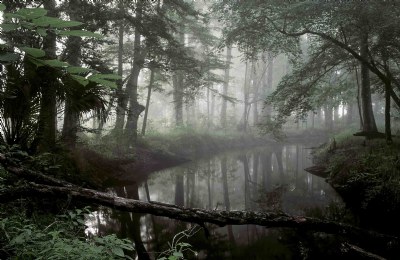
108	163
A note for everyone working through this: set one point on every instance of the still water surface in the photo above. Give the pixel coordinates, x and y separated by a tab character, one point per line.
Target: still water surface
264	178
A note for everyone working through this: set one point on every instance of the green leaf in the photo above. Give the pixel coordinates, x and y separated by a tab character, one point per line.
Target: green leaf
9	26
55	63
42	32
81	80
37	62
10	15
27	25
46	21
31	13
103	82
34	52
106	76
9	57
77	70
80	33
172	257
2	7
178	254
118	251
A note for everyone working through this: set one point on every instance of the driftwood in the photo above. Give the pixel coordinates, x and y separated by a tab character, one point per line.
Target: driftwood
270	219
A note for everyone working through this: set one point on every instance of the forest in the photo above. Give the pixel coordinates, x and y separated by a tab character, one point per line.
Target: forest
199	129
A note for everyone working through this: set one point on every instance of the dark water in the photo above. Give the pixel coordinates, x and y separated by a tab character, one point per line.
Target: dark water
267	178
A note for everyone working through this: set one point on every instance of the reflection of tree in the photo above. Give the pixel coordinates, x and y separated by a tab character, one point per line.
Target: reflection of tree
256	160
210	186
130	223
224	171
266	166
278	151
245	162
179	190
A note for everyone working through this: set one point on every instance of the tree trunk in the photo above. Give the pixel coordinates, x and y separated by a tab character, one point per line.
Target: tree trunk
48	109
328	117
226	85
121	95
267	82
135	109
177	81
369	125
146	111
388	127
73	49
245	99
255	88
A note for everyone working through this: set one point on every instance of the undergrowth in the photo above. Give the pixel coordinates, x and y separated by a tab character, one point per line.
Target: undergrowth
55	237
367	174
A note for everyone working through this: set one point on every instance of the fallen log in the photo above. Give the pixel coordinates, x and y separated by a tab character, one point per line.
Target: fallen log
269	219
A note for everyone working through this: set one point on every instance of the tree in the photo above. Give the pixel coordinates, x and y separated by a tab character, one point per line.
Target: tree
279	23
41	71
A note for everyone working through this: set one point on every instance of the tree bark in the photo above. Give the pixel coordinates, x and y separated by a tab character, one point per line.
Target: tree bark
177	81
146	111
71	115
369	125
121	95
200	216
48	110
135	109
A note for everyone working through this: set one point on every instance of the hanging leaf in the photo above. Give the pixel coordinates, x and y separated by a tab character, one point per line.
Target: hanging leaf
9	57
103	82
77	70
81	80
106	76
80	33
34	52
27	25
31	13
42	32
55	63
10	16
2	7
37	62
46	21
118	251
7	27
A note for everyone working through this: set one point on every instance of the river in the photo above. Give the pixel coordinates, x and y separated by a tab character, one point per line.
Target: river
257	179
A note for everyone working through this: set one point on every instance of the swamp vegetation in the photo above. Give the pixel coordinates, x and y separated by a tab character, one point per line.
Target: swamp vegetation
188	129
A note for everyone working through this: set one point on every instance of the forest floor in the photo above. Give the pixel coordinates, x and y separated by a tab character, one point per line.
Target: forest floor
366	173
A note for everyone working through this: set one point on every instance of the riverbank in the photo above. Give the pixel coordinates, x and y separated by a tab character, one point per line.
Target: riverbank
366	173
159	151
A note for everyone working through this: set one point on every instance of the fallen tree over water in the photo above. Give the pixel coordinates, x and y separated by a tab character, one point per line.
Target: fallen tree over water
41	185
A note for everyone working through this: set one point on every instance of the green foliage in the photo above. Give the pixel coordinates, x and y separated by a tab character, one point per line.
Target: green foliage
177	249
36	21
63	238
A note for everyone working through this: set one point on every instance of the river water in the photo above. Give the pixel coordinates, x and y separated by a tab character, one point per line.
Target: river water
263	178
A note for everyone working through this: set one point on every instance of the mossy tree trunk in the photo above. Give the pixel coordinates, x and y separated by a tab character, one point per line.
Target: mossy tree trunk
48	79
135	109
73	51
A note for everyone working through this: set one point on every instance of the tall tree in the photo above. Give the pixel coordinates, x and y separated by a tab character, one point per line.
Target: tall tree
48	79
226	84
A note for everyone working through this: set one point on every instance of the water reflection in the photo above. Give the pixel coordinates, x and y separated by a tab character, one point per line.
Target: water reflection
269	178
